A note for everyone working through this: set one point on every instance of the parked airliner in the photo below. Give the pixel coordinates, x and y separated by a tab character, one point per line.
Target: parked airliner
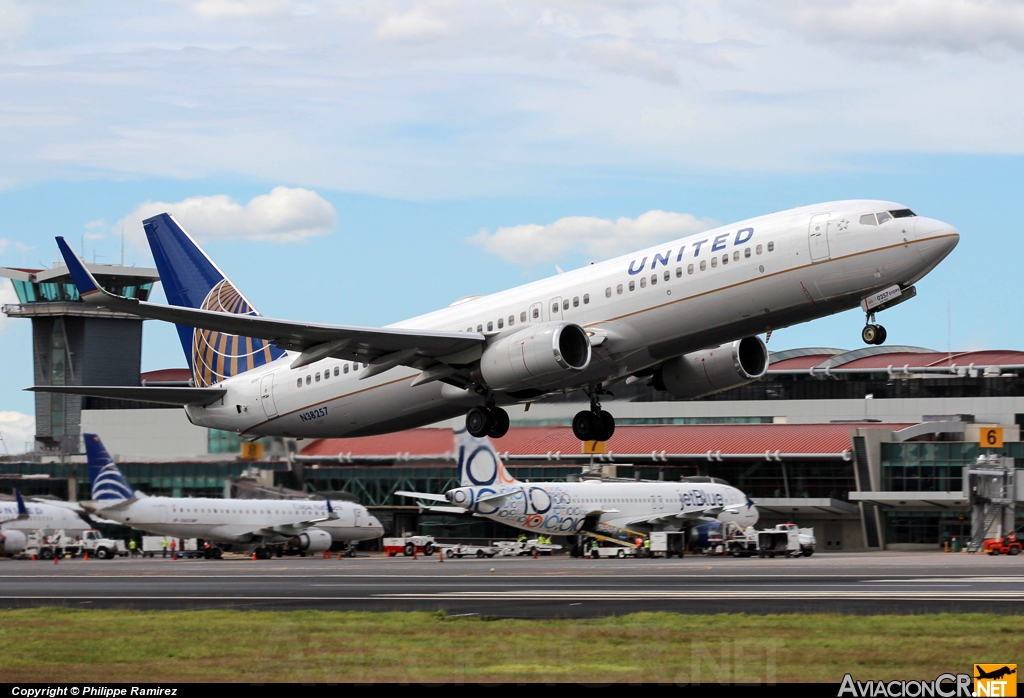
685	314
19	520
250	524
566	508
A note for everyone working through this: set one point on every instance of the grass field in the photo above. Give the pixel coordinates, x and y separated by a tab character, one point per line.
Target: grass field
53	644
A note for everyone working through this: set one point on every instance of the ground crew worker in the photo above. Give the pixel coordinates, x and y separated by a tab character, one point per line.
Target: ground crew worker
131	547
647	547
521	538
174	545
163	544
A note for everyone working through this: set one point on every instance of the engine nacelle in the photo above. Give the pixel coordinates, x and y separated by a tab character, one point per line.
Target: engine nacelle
535	357
12	542
313	540
713	370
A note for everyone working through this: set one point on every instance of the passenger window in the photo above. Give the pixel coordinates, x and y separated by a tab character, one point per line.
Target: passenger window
725	259
736	256
479	328
771	246
689	268
632	285
608	292
668	275
758	249
868	219
345	368
554	307
703	264
618	289
586	298
565	304
501	323
643	282
318	376
654	279
883	217
575	301
309	379
490	326
522	317
679	272
335	371
327	374
714	262
299	383
511	320
746	253
536	313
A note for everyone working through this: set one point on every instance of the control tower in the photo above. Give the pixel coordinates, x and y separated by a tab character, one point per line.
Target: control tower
74	343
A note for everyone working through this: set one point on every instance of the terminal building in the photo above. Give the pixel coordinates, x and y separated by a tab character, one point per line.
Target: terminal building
870	447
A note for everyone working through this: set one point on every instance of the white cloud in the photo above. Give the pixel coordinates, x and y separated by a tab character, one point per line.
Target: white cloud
897	27
284	215
18	431
15	20
599	238
416	25
219	9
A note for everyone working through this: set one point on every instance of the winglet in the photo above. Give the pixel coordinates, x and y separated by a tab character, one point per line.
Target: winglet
22	509
331	514
84	281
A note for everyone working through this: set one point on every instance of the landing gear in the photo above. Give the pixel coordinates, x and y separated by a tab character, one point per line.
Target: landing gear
872	333
487	421
594	424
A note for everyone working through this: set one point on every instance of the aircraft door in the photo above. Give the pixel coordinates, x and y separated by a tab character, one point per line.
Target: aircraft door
556	309
162	515
817	237
536	310
267	396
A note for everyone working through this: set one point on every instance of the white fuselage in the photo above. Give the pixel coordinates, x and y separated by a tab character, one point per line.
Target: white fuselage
42	517
236	520
563	508
696	292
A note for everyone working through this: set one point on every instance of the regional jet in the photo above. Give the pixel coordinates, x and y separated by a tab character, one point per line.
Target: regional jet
259	525
558	508
18	520
684	315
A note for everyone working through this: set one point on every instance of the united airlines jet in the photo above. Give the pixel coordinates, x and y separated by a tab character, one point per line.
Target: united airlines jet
685	314
19	520
567	508
258	525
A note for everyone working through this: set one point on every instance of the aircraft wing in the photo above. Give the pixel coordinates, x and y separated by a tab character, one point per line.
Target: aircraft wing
297	527
161	395
383	348
681	516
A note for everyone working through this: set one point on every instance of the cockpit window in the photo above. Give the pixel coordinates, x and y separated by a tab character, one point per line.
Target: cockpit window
883	217
903	213
868	219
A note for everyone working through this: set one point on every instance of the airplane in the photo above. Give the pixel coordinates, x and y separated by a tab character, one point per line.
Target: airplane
18	520
557	508
685	315
255	525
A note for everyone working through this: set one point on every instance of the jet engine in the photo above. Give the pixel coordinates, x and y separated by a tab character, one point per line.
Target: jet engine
535	357
12	542
713	370
313	540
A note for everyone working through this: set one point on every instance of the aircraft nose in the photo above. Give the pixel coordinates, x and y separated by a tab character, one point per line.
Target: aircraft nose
375	524
936	241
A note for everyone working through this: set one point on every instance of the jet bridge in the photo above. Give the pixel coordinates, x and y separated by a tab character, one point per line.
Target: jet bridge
991	491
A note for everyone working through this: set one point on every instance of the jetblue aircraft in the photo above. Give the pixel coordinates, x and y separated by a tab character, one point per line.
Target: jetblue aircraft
250	524
685	314
488	490
18	521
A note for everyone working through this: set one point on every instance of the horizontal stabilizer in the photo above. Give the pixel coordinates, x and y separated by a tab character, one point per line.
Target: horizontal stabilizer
180	396
423	495
442	510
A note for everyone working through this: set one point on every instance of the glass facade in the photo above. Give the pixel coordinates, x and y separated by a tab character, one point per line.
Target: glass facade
935	466
926	528
51	292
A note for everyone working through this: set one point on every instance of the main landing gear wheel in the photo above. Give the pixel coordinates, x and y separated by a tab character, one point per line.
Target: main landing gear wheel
492	422
873	334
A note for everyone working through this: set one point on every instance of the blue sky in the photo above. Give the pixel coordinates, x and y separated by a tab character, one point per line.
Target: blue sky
323	150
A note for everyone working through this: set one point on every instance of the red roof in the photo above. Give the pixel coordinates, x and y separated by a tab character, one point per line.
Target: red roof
799	362
978	358
671	438
167	375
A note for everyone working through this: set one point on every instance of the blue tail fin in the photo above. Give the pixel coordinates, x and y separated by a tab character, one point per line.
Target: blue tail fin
107	483
479	463
22	509
191	280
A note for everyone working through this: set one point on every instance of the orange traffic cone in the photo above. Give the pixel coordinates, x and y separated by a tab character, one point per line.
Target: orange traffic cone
440	555
253	554
33	556
534	553
85	557
55	556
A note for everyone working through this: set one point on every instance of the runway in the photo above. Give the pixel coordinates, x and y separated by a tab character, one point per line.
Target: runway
869	583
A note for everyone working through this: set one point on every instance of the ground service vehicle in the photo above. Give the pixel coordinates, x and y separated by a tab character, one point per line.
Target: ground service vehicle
464	550
667	543
1007	545
410	545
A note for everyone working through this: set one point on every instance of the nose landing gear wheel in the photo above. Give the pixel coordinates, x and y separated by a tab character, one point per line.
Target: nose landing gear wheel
873	334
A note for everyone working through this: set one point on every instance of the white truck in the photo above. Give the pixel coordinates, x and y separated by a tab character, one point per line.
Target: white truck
59	544
786	539
97	546
467	549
